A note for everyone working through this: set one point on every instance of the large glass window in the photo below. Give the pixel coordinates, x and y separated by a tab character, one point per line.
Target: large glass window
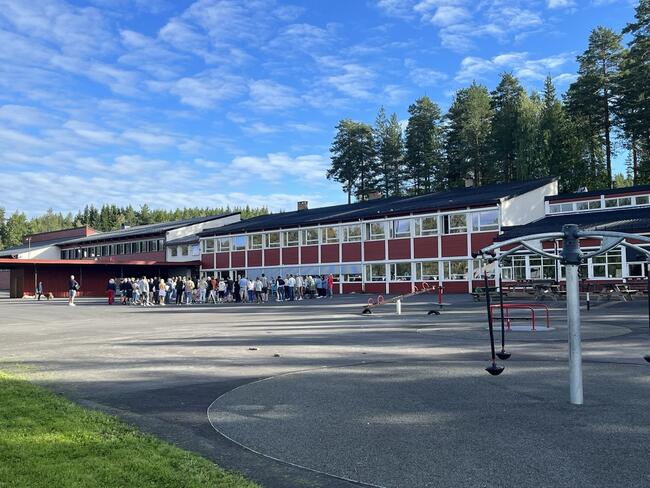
455	224
541	268
208	245
239	243
426	226
173	251
608	265
642	200
635	270
290	238
513	268
485	221
273	239
330	235
427	271
400	272
255	241
375	272
310	237
375	231
352	233
479	268
455	270
400	228
223	244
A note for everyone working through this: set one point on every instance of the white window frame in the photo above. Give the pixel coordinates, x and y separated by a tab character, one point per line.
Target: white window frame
419	271
479	226
276	243
255	245
371	235
329	239
293	242
371	276
307	241
400	277
447	264
352	238
233	243
396	233
449	229
420	231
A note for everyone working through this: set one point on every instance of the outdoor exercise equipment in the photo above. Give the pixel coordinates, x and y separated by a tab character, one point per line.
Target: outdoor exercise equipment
525	306
503	355
572	257
379	301
494	369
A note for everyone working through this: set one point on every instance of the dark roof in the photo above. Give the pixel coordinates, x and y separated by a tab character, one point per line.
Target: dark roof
25	247
443	200
191	239
143	230
633	220
595	193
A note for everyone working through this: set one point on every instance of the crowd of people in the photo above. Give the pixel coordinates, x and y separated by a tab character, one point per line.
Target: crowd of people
186	291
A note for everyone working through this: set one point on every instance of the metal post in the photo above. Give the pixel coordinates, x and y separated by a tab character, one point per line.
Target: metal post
398	306
575	347
493	369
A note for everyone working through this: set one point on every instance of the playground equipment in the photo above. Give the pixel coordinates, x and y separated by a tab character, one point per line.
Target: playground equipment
572	257
372	303
526	306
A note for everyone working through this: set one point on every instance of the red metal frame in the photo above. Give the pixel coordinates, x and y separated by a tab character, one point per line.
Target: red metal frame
529	306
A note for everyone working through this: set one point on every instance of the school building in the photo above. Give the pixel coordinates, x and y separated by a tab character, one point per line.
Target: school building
383	245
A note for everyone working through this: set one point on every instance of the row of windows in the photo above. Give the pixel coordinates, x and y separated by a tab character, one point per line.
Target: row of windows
151	245
370	231
598	204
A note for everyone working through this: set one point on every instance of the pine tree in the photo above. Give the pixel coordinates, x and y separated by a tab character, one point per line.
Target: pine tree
632	104
593	92
15	229
424	146
528	161
353	159
503	145
389	147
468	129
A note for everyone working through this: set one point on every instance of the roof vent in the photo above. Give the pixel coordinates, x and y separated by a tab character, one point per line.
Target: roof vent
374	195
582	189
469	182
303	205
124	226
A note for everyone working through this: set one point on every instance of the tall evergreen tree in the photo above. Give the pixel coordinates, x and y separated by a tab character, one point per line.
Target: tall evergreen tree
353	159
593	93
503	144
468	129
424	146
633	90
389	147
528	163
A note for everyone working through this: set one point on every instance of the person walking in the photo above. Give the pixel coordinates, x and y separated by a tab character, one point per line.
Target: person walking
39	290
73	288
111	289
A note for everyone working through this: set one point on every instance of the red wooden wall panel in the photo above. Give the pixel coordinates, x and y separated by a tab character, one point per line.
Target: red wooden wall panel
238	259
329	253
255	258
399	249
309	254
376	287
351	251
482	239
290	255
207	261
454	245
223	260
399	288
374	251
425	247
271	257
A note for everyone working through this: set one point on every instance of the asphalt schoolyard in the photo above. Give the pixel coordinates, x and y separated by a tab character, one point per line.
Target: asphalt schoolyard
316	394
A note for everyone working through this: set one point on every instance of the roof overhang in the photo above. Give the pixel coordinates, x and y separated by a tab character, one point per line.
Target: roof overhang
16	263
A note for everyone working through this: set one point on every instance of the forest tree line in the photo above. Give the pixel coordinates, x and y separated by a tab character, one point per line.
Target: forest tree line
109	217
509	134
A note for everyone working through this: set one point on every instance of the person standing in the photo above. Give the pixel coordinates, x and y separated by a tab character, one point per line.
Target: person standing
189	291
179	291
73	288
162	292
292	287
222	290
203	287
39	290
330	286
111	289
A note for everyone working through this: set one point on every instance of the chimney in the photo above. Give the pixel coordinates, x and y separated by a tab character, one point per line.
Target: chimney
304	205
469	182
374	195
124	226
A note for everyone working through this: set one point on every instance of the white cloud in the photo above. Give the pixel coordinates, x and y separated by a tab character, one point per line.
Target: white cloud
476	68
448	15
205	90
24	115
560	3
424	76
351	79
270	95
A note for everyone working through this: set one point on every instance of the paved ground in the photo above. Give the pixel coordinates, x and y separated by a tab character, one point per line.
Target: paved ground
382	400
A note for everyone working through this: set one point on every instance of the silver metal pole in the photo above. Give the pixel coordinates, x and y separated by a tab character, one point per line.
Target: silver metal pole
575	347
398	306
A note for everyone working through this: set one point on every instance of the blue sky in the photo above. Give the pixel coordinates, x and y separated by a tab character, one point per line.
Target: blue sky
183	103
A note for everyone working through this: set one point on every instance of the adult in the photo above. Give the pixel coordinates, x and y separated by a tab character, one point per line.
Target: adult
250	287
330	286
73	288
189	291
243	288
144	291
162	292
213	286
179	291
39	290
111	289
258	290
291	282
280	284
203	288
300	287
222	290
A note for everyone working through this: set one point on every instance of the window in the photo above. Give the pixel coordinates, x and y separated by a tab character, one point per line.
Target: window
173	251
375	272
427	271
290	238
624	202
120	249
588	205
104	250
255	241
426	226
513	268
455	224
375	231
239	243
330	235
635	270
618	202
223	244
485	221
351	277
310	237
153	245
400	272
273	239
608	265
185	250
541	268
208	245
161	244
643	200
352	233
561	207
455	270
479	268
400	228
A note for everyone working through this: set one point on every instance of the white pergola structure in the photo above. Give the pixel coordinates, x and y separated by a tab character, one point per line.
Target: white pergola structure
572	257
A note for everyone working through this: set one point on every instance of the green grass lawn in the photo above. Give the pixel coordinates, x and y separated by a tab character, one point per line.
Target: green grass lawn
48	441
